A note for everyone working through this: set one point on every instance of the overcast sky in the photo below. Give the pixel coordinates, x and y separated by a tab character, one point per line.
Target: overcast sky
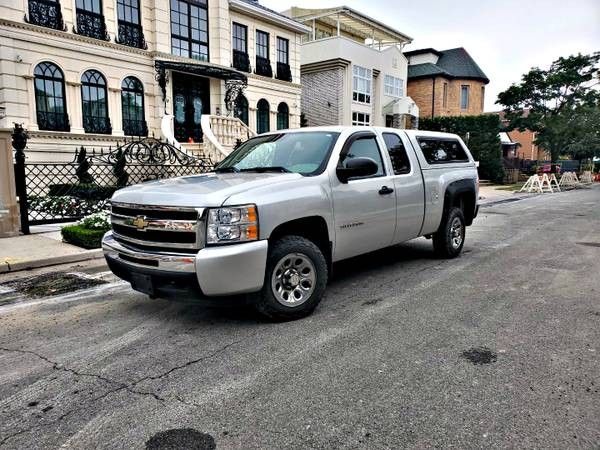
505	37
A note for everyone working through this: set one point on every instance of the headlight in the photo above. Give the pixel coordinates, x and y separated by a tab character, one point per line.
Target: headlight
232	224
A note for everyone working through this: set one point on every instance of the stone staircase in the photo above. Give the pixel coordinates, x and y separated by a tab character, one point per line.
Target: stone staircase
195	149
220	135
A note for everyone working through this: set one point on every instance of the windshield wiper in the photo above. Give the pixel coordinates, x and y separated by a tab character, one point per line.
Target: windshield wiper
231	169
267	169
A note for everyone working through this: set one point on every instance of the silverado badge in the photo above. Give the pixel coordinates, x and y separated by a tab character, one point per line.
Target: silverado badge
140	222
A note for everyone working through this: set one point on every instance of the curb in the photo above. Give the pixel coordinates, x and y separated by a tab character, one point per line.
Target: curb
36	264
504	200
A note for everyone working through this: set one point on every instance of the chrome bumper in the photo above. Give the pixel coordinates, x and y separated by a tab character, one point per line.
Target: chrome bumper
224	270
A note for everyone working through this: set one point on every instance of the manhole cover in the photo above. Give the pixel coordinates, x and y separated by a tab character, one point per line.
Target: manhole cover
182	438
480	355
52	284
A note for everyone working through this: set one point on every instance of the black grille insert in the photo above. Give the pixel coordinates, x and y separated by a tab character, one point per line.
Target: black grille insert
170	237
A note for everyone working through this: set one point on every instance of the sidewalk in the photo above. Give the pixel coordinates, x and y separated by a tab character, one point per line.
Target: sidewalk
40	250
490	194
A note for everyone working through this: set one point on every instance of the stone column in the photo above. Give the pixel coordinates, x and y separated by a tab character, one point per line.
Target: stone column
114	111
74	108
9	211
33	126
252	118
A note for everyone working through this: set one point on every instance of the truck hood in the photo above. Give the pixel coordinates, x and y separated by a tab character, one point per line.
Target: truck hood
197	191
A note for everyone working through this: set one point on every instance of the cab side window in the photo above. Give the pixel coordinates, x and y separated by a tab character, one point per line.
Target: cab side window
397	152
365	147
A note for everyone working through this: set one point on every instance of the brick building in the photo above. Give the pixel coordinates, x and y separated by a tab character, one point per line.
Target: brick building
526	148
445	83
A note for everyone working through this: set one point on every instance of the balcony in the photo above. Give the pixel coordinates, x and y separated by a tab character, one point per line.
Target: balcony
46	13
284	72
131	35
91	25
135	127
97	125
241	61
263	67
53	121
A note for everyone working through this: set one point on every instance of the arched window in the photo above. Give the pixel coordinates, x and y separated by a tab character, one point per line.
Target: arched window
283	116
262	116
241	108
50	103
94	103
132	107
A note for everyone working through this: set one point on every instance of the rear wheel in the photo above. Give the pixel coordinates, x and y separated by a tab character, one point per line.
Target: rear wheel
295	279
448	241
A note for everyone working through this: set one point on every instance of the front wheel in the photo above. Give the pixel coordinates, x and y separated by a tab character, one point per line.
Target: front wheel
448	241
295	279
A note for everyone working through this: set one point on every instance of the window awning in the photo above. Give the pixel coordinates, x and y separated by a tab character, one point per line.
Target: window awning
201	69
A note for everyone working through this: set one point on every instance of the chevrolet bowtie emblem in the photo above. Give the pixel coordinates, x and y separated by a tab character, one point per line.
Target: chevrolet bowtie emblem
140	222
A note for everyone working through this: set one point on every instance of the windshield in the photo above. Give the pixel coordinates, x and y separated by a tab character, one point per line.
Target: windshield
305	153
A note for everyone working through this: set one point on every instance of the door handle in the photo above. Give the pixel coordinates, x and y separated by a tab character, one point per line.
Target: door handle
385	190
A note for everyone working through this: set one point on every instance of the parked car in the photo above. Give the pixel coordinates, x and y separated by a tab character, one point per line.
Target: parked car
284	206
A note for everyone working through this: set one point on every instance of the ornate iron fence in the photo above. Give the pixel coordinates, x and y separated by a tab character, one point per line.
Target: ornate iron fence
64	192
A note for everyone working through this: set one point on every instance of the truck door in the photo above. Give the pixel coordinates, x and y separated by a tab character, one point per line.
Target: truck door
408	184
364	208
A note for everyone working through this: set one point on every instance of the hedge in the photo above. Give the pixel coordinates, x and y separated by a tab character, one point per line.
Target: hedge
82	237
483	140
83	191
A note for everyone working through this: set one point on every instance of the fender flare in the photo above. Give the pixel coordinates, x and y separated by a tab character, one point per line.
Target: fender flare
462	189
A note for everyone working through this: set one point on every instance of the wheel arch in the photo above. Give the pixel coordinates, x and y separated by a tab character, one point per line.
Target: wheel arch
313	228
461	194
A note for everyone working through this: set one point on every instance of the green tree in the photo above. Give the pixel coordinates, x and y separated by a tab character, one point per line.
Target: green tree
545	100
586	133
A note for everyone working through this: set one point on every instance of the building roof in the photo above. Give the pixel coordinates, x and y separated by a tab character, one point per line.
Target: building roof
255	8
423	51
352	21
452	63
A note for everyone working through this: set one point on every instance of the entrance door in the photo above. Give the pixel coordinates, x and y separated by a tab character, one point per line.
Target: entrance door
191	99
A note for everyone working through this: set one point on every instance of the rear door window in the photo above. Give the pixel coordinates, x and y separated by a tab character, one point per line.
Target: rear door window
395	147
440	151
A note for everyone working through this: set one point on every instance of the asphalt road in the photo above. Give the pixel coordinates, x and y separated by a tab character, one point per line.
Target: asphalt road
383	363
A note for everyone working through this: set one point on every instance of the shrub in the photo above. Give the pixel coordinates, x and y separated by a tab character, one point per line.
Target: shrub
65	206
96	221
82	237
483	141
83	191
88	232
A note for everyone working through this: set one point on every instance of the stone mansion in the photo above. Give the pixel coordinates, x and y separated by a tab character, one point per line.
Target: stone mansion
92	72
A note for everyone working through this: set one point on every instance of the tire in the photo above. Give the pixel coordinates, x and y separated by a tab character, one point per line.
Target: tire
448	241
296	270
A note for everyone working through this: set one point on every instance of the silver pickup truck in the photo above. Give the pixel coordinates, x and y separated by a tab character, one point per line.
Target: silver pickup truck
283	207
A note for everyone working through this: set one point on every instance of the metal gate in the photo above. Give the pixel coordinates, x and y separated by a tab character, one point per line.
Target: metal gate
64	192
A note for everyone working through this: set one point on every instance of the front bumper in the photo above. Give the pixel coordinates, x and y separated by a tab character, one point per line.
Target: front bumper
213	271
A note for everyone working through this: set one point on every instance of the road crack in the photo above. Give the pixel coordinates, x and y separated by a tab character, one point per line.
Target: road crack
119	385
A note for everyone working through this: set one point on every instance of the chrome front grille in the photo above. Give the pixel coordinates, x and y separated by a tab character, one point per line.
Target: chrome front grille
160	228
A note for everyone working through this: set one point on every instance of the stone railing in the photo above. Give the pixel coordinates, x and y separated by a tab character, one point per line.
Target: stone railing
221	134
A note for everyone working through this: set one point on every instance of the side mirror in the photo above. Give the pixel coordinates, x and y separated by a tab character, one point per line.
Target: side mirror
356	168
